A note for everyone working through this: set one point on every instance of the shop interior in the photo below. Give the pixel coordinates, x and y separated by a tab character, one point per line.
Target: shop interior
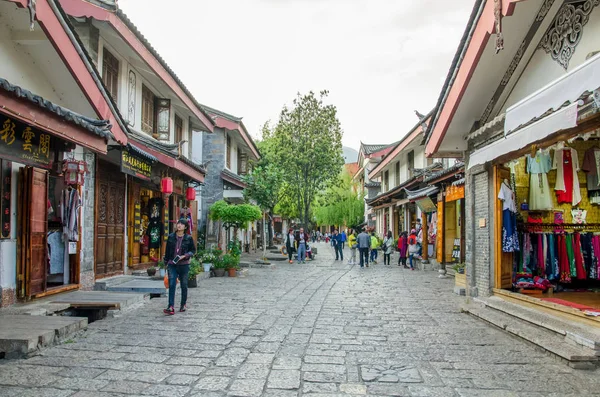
147	244
551	229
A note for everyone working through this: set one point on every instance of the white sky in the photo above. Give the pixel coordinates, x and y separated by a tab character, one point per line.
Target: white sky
380	59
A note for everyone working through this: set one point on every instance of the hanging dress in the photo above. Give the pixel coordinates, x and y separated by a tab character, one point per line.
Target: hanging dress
566	164
578	253
539	189
591	166
563	260
510	240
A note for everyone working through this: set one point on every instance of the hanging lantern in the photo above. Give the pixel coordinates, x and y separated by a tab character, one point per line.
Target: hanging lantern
190	194
74	171
166	185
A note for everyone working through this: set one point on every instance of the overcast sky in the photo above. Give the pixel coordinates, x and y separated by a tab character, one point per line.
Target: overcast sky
380	59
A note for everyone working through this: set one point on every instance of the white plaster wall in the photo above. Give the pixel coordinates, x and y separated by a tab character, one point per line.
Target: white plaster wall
542	69
20	68
8	247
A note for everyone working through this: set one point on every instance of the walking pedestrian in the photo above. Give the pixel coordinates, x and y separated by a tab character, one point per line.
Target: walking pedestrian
374	247
403	249
344	239
290	243
353	247
413	248
336	240
301	242
388	243
180	248
364	243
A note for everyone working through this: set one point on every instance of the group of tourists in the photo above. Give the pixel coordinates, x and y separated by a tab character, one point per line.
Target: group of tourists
298	243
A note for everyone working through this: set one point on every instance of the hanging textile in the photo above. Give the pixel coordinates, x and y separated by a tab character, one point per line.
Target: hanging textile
539	189
510	240
566	164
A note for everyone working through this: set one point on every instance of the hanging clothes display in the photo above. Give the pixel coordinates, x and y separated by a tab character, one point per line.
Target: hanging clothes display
510	240
69	205
566	163
56	252
591	166
539	189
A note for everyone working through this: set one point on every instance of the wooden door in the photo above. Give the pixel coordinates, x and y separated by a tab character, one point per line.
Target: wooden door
32	230
110	222
503	260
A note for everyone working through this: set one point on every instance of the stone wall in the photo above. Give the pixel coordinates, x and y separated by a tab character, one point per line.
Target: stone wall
479	228
86	277
213	155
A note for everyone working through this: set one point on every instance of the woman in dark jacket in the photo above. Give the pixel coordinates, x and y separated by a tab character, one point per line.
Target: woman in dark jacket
180	248
290	241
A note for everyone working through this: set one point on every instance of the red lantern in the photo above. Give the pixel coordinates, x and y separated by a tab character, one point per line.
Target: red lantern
190	194
166	185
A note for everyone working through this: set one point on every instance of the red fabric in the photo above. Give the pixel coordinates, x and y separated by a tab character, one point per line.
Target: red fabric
563	260
581	273
570	304
566	196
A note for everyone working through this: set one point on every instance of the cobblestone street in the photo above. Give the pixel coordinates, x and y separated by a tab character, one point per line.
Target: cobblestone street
320	329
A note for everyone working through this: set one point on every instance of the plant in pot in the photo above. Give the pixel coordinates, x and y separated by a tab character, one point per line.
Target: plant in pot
162	267
151	271
195	267
231	264
219	266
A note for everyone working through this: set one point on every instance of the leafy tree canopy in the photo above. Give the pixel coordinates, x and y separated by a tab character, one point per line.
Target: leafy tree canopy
306	147
234	215
341	203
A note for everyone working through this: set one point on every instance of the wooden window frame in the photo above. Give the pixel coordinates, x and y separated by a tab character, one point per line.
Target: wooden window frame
410	161
397	169
110	73
148	99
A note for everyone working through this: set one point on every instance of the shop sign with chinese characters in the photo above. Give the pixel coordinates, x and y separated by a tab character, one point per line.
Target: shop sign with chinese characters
25	144
136	166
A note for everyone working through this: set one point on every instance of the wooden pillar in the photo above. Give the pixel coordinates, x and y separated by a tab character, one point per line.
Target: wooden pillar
425	242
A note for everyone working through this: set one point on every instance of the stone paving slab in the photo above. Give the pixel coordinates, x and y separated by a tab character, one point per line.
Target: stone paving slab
24	334
322	329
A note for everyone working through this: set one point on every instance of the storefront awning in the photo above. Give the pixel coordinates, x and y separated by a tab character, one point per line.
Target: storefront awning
190	171
143	154
568	88
557	121
414	195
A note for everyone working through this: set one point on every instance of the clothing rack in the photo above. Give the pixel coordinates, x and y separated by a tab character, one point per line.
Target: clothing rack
533	227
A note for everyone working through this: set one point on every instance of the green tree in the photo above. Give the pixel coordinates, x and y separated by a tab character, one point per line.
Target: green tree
234	215
306	146
340	204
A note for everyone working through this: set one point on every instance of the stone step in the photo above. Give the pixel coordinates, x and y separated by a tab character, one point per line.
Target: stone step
579	357
573	332
24	334
142	286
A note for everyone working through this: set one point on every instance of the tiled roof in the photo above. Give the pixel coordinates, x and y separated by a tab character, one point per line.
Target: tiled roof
373	184
233	178
192	164
228	116
98	127
142	153
424	192
372	148
446	171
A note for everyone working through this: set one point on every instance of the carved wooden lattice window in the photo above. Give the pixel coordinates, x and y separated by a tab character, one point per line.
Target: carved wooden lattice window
228	153
147	110
110	73
397	173
163	119
242	163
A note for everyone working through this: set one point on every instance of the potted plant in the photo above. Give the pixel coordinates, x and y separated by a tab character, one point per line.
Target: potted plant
460	278
219	267
162	267
194	271
151	271
230	263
